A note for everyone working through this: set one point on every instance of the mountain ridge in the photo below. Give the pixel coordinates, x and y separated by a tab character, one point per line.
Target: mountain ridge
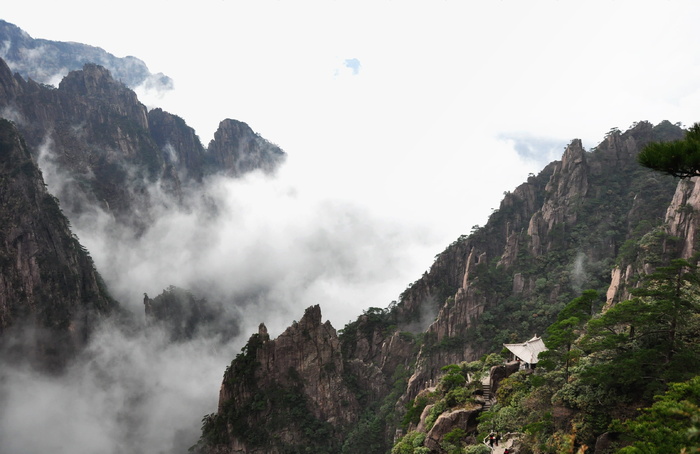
109	152
593	219
101	139
47	61
504	282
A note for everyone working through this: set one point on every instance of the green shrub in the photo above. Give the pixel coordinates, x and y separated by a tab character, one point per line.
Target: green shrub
413	411
458	397
455	435
477	449
435	411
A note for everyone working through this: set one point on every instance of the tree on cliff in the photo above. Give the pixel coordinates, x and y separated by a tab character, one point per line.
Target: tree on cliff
562	334
643	343
672	424
680	158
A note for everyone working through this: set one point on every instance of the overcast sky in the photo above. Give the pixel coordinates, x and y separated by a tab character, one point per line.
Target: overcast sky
404	123
414	115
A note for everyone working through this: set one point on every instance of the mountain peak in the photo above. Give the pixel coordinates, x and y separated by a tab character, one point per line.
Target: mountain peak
237	148
91	80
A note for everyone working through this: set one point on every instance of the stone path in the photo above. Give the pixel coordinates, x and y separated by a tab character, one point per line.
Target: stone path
506	442
486	389
502	446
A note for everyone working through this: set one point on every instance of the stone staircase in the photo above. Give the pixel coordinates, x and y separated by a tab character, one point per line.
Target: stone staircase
488	397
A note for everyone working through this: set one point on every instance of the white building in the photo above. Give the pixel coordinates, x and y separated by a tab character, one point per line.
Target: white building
527	352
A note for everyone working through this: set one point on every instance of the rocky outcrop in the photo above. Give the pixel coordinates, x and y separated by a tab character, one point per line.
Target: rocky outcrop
464	419
682	215
111	98
239	150
277	391
568	186
498	373
182	148
552	237
50	294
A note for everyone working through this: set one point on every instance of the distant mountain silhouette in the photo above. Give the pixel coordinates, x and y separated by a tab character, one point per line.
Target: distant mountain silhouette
47	61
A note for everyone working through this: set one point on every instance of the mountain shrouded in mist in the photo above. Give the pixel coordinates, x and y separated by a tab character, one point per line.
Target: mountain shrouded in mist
52	297
159	210
563	231
110	149
48	62
116	169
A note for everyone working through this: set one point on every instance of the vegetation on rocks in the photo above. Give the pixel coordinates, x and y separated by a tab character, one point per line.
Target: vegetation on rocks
615	376
680	158
629	375
542	264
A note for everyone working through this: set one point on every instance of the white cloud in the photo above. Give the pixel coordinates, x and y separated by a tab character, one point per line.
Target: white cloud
272	246
454	103
134	393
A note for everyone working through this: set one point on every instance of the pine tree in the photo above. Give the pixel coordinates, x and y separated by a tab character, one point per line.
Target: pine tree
562	334
641	344
680	158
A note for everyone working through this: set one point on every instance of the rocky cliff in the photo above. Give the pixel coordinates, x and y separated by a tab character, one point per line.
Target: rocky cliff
109	151
289	394
678	237
239	150
559	233
51	297
105	152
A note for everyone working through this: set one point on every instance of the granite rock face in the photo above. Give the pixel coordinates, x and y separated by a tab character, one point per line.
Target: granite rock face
51	297
542	216
554	235
296	380
682	218
109	151
239	150
446	422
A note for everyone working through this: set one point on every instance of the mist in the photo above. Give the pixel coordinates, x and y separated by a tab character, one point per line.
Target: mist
128	392
344	230
389	161
262	246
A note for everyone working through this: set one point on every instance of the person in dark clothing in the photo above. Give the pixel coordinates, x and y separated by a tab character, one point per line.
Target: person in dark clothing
492	439
498	438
